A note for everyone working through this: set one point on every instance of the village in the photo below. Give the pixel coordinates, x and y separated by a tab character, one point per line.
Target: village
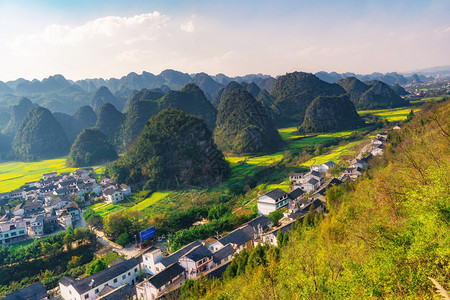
150	274
51	204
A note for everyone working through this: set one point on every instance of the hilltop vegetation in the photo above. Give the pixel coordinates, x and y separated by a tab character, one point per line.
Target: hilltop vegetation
294	92
174	149
109	121
244	126
383	237
91	148
326	114
40	136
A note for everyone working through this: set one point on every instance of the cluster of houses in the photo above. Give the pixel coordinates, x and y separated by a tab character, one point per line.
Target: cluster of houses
51	203
153	275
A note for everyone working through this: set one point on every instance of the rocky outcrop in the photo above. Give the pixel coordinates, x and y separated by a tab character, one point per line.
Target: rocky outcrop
244	126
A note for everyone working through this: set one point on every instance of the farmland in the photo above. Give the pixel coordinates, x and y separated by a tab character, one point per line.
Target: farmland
15	174
391	115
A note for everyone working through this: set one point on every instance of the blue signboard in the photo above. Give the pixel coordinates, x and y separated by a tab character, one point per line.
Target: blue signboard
147	233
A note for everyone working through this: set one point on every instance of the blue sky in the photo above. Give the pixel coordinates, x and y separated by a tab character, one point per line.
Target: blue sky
86	39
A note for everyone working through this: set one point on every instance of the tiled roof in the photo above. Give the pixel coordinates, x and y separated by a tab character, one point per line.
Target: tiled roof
173	258
276	194
166	275
223	253
198	253
35	291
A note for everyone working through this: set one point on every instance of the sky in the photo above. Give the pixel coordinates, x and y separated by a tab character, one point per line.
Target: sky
89	39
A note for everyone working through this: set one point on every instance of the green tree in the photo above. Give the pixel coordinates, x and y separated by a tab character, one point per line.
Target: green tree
123	239
275	216
68	240
74	262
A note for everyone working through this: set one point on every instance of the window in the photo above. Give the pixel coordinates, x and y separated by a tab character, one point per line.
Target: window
157	269
13	233
124	276
135	270
96	291
115	280
86	296
146	258
21	231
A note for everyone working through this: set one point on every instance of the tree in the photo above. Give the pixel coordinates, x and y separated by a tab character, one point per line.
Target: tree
275	216
74	262
68	240
95	267
123	239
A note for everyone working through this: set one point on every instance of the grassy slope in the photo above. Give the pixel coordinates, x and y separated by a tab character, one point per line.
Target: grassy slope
392	115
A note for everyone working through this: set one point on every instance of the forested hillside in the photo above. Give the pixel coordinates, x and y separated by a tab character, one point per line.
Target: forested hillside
384	237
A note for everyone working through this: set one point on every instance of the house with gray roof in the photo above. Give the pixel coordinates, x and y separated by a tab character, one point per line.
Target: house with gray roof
171	278
36	291
272	201
89	287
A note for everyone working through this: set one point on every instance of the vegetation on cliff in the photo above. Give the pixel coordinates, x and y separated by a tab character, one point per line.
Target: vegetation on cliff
91	148
327	114
244	125
39	136
174	149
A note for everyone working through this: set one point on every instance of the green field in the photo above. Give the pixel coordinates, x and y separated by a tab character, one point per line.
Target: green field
334	155
391	115
105	209
154	198
15	174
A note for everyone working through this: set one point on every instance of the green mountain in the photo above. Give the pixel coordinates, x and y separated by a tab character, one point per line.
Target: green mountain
39	136
208	85
91	148
327	114
233	85
294	92
174	149
71	126
102	96
399	90
109	121
145	104
86	116
372	94
244	126
18	113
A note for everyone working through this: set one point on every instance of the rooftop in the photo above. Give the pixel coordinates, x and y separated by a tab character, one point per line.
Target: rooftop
166	275
84	285
223	253
35	291
276	194
198	253
173	258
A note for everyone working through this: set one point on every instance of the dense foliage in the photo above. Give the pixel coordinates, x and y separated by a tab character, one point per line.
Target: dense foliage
383	238
40	136
174	149
327	114
91	148
145	103
244	125
18	113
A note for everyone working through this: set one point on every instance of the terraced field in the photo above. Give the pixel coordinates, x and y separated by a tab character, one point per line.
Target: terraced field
15	174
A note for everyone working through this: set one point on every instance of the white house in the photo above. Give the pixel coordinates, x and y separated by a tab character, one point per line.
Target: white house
36	227
49	175
113	195
197	260
272	201
11	231
325	167
125	189
124	272
160	284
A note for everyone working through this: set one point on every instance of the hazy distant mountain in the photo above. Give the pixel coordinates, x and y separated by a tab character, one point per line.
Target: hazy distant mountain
86	116
267	84
208	85
4	88
294	92
51	83
371	94
18	113
438	72
399	90
102	96
388	78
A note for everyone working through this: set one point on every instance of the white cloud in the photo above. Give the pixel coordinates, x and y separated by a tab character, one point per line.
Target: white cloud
188	27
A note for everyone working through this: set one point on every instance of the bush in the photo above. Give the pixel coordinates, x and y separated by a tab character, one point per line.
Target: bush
123	239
